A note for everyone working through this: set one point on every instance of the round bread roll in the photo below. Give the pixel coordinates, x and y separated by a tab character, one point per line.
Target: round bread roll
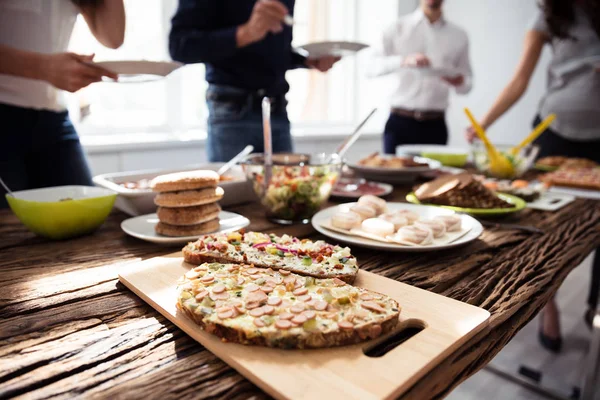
438	228
364	211
188	180
378	227
398	220
346	220
182	216
187	198
187	230
377	204
453	222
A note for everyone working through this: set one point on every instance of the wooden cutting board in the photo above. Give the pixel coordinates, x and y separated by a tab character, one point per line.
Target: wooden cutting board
337	373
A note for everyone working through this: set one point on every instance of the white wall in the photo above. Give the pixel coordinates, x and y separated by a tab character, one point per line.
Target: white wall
496	31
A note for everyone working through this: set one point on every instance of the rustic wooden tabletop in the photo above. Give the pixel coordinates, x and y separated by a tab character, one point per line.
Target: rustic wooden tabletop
68	328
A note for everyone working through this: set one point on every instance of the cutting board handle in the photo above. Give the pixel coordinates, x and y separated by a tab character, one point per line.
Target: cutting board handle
405	330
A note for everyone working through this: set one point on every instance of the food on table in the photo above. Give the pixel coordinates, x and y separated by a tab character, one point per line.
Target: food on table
295	192
376	160
187	230
411	216
414	235
520	188
521	162
256	306
364	211
144	184
453	223
183	216
187	203
346	220
188	198
565	162
582	178
286	253
397	219
438	228
378	226
461	190
377	204
357	187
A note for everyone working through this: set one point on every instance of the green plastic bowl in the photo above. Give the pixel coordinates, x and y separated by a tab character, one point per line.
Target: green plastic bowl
62	212
448	159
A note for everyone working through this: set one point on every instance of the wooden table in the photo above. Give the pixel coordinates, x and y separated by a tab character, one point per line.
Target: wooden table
68	328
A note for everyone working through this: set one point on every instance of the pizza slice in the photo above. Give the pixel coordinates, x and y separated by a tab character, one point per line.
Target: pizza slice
277	308
305	257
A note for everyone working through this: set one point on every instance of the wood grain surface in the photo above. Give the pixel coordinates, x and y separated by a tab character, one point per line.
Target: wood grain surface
69	329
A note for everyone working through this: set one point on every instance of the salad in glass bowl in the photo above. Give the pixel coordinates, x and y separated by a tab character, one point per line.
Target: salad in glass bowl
300	184
521	162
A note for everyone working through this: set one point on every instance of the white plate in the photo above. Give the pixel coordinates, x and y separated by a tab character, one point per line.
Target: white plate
476	229
139	71
418	149
337	49
549	201
581	193
395	175
142	227
435	72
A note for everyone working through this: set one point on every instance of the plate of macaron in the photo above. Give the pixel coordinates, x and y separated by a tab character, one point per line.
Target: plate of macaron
373	223
187	208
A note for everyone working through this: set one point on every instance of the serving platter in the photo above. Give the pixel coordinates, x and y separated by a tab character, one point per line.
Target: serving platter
473	229
336	373
142	227
518	203
395	175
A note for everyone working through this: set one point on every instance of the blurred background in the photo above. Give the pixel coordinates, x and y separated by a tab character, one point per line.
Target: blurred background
127	126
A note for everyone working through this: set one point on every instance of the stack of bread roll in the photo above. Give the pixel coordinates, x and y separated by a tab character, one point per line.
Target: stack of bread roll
187	203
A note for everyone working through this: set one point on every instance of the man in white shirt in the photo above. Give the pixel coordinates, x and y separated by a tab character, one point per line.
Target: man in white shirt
422	40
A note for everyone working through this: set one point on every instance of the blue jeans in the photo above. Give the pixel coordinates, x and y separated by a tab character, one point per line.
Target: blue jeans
39	148
232	125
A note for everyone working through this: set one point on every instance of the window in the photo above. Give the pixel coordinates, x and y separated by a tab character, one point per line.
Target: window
176	104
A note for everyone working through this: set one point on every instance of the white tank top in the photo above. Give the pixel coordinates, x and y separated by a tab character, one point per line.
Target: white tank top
43	26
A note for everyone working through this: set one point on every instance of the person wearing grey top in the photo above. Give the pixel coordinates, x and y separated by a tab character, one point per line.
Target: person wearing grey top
572	29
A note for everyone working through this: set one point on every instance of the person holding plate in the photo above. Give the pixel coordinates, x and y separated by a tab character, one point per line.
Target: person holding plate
246	47
572	29
430	56
39	146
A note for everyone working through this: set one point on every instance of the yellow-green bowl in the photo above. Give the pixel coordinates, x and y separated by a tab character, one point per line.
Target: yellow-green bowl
517	202
448	159
64	211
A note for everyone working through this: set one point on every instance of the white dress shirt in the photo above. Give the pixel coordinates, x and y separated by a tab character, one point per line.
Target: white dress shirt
444	43
40	26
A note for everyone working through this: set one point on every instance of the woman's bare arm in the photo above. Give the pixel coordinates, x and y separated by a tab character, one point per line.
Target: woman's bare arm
106	20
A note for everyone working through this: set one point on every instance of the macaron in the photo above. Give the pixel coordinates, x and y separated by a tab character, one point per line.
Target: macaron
187	198
378	227
438	228
346	220
415	235
194	215
453	222
397	219
187	230
364	211
187	180
377	204
411	216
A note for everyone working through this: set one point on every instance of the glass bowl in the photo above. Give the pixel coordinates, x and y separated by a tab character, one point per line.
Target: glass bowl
521	162
300	184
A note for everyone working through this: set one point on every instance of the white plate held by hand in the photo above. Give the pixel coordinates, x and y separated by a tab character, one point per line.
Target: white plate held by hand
336	49
139	71
142	227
